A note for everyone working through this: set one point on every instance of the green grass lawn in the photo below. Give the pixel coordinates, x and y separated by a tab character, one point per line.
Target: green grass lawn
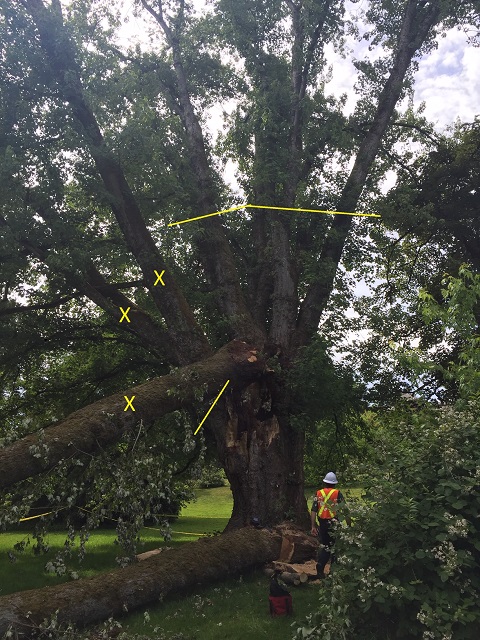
234	608
208	514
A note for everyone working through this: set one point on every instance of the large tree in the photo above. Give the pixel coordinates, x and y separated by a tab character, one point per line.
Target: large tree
102	147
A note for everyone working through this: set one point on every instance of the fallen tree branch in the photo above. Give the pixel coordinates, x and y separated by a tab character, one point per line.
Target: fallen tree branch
91	600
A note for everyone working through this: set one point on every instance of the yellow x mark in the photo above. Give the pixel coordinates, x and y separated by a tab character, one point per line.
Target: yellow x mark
124	314
129	403
159	277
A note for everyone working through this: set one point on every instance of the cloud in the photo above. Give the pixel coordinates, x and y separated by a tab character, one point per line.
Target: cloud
447	80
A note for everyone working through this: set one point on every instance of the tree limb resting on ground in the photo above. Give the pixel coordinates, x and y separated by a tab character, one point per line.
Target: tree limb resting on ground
91	600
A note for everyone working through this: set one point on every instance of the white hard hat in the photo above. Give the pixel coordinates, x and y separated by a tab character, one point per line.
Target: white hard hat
330	478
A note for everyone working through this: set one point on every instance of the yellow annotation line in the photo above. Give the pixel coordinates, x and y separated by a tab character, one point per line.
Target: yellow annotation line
208	215
336	213
262	206
214	403
185	533
40	515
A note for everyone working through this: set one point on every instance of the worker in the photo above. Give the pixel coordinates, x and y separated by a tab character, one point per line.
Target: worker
325	508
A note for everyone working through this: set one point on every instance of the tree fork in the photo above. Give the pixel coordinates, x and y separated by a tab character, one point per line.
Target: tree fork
105	421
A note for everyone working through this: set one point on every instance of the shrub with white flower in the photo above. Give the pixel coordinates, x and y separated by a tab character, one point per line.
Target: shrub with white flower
410	566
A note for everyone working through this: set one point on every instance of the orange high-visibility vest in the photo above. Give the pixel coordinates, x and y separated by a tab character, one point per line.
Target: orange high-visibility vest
324	497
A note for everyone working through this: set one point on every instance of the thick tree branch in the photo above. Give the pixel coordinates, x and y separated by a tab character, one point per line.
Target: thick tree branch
105	295
285	277
285	280
188	339
297	99
90	600
104	422
312	46
415	28
214	250
301	69
261	284
108	297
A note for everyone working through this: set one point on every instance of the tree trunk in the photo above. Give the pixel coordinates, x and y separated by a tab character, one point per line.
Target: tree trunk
91	600
263	459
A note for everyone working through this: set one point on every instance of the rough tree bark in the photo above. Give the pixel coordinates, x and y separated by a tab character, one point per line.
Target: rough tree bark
103	422
91	600
262	456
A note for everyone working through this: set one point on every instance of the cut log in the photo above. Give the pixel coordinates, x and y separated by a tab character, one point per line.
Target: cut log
304	547
286	552
91	600
290	578
293	578
309	568
284	567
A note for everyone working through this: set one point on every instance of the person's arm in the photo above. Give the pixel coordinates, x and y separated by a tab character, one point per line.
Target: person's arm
313	515
314	526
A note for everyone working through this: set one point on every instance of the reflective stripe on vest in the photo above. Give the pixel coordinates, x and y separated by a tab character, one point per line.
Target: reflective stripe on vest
323	512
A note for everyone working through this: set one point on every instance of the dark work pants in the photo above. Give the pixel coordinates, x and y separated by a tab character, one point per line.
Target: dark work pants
325	536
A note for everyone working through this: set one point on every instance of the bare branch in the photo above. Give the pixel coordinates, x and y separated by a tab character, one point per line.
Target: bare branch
428	134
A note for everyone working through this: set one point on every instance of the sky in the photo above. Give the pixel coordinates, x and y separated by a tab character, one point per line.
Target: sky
447	79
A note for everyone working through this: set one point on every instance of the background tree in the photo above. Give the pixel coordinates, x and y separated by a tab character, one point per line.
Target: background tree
431	223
